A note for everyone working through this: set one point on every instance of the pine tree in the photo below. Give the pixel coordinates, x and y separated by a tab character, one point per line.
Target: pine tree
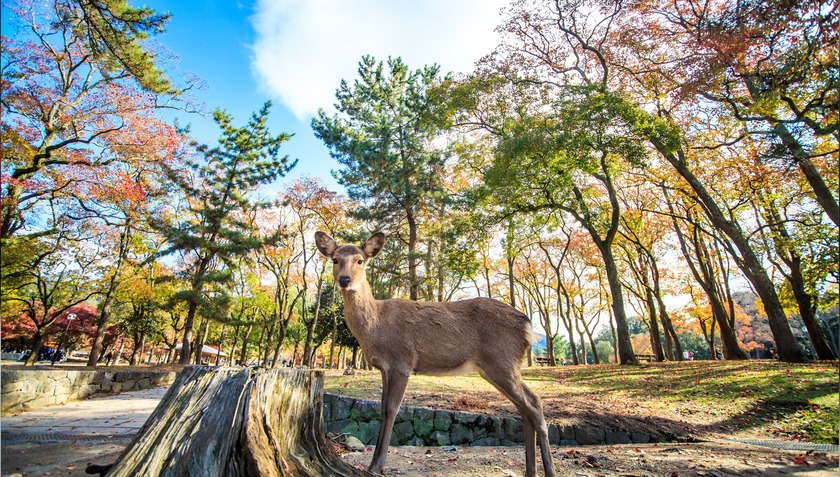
383	137
213	232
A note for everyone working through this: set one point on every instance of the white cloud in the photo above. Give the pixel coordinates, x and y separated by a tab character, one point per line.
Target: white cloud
304	48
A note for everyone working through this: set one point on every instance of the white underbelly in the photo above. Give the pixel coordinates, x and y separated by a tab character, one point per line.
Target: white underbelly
466	368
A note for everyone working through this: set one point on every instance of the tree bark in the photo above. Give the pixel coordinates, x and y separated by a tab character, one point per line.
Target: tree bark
37	342
412	246
243	354
655	341
625	349
101	324
806	302
236	422
749	262
706	277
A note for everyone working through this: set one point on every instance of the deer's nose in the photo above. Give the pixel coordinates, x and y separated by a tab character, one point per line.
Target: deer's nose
343	281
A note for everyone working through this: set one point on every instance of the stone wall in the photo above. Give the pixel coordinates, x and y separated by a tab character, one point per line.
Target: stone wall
33	388
421	426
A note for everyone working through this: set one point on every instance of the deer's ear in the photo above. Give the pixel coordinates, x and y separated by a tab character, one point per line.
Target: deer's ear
374	244
325	243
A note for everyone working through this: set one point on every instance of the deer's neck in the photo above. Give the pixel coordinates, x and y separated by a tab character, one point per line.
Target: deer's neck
360	308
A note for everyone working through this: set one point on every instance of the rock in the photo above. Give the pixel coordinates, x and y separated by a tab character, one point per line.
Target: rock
589	435
341	408
439	438
514	430
567	433
366	411
487	441
344	426
618	437
553	434
403	432
405	413
368	431
495	429
443	419
424	420
354	444
460	433
326	412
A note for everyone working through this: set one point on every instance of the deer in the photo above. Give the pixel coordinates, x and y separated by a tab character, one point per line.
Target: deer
401	337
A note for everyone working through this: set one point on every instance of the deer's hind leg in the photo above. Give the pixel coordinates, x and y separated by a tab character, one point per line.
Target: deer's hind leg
529	406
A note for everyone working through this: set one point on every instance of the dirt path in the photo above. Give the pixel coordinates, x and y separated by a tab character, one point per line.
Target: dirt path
670	460
696	459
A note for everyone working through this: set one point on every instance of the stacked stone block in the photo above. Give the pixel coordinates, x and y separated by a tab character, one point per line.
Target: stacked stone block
421	426
24	389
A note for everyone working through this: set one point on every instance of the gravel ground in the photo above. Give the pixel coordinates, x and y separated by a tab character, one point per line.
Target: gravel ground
715	459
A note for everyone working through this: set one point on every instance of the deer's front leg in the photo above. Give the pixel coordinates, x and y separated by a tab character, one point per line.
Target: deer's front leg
393	389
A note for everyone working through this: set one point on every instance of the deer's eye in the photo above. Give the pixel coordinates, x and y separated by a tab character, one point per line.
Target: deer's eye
360	262
335	261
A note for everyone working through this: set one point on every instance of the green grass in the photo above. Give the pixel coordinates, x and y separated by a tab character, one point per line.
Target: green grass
786	400
762	398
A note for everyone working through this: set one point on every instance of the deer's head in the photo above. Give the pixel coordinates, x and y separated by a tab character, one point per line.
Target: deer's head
349	261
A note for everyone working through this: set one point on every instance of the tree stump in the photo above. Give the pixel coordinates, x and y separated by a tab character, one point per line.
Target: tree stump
236	422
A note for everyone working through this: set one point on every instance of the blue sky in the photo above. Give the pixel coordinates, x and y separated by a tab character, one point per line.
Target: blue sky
295	53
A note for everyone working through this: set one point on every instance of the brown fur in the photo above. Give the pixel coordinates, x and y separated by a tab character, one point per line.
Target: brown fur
402	337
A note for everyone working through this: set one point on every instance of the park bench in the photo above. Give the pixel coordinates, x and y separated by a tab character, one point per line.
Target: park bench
646	357
541	361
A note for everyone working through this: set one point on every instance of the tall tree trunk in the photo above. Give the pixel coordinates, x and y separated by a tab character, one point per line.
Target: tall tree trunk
113	283
37	342
806	302
595	358
204	330
625	349
278	348
583	359
807	310
549	350
104	313
243	356
332	341
197	285
221	342
568	321
233	345
139	344
412	260
186	341
118	354
269	336
672	341
749	263
704	275
822	192
310	332
655	341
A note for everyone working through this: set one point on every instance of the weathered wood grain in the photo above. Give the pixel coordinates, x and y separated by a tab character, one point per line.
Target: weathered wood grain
236	422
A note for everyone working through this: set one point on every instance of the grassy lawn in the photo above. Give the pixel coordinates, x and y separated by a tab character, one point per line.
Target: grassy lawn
761	399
